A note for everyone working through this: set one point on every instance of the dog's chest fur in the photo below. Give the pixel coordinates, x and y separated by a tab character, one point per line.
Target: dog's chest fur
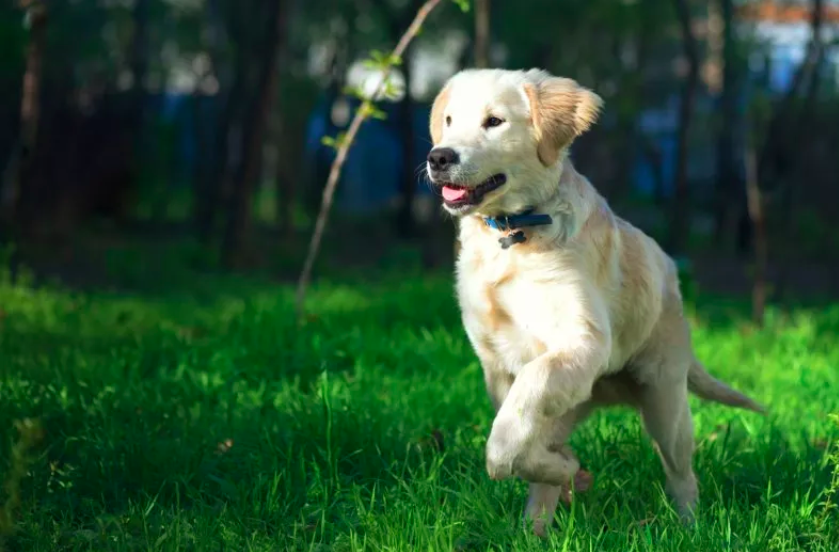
547	293
501	295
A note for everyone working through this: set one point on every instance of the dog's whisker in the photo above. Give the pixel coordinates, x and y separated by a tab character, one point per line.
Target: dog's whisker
421	173
421	169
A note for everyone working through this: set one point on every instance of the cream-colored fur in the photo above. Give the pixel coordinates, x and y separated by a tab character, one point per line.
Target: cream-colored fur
587	312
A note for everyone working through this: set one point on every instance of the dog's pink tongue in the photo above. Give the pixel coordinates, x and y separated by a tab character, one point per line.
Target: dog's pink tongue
453	194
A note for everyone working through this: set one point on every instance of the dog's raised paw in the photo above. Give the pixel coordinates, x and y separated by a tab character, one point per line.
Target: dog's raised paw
499	469
582	482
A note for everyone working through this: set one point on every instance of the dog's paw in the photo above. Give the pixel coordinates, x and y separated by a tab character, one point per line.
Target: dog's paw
687	514
541	527
507	442
582	482
541	507
499	459
499	469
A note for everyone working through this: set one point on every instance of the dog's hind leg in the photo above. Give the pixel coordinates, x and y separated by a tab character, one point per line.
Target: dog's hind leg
667	418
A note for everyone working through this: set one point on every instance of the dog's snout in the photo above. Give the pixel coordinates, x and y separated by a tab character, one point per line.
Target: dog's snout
441	159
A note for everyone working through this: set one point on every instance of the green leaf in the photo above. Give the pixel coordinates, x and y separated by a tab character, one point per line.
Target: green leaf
356	91
335	142
462	4
377	113
366	109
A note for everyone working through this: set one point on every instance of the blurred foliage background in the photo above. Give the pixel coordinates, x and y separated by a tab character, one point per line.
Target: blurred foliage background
199	122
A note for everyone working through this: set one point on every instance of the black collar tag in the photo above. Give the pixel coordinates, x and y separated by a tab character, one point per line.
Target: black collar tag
512	239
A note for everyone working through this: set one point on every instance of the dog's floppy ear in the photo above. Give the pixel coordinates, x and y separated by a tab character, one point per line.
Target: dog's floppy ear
561	110
437	109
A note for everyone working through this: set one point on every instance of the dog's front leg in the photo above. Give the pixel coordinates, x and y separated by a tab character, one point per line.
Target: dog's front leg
522	440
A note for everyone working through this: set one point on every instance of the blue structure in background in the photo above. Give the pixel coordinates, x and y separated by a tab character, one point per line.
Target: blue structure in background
660	125
374	169
373	172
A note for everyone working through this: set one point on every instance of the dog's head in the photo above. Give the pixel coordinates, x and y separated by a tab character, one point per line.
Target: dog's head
500	137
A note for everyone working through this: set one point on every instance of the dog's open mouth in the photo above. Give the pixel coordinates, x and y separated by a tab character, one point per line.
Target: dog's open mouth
458	195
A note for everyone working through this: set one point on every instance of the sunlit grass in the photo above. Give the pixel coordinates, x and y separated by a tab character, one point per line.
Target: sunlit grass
205	419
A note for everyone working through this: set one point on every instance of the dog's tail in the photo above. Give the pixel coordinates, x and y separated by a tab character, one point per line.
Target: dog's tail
707	387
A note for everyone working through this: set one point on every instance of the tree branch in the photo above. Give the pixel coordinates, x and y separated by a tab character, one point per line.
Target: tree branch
14	192
343	148
785	108
482	8
756	209
680	223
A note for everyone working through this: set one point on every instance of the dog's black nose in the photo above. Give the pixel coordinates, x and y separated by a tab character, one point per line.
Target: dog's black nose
441	159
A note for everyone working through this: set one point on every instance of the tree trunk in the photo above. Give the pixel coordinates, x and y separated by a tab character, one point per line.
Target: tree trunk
285	192
205	164
405	223
728	194
482	11
138	60
240	218
777	135
212	166
209	200
755	206
680	224
30	111
654	158
285	181
790	193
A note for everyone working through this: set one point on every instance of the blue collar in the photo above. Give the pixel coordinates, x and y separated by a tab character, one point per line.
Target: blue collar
511	222
521	220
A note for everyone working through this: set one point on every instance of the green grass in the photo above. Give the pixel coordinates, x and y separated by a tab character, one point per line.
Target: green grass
205	419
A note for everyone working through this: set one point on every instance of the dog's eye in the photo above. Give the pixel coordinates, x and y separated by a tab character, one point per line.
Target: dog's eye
492	122
449	120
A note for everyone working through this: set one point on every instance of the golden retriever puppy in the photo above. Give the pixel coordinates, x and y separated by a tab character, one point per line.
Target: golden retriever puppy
567	306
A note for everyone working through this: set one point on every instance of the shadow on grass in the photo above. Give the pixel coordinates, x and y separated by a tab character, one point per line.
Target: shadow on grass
328	463
210	400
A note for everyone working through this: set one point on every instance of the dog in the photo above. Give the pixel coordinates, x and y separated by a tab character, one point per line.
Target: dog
567	306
